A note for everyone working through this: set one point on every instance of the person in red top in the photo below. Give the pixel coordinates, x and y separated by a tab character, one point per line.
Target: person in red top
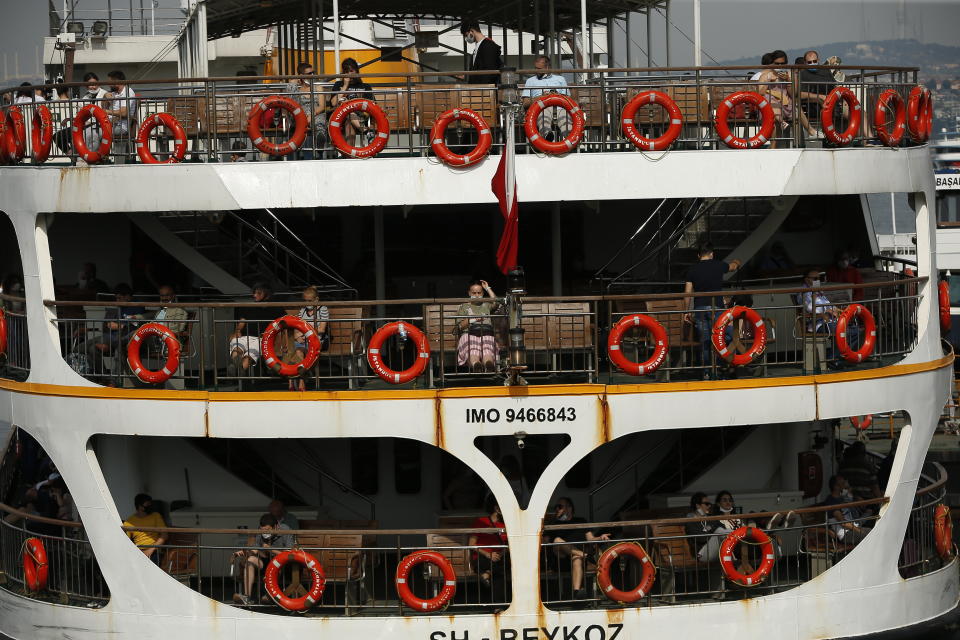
490	552
844	271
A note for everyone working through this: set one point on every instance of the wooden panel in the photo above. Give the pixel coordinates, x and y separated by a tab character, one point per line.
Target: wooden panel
343	333
671	550
190	112
590	100
459	558
395	103
694	104
433	99
440	323
535	335
670	314
342	559
573	331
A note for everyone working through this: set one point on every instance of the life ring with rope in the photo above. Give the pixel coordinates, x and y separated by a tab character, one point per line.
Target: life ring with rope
35	568
719	336
41	134
271	580
605	564
845	137
439	145
300	125
767	120
658	334
173	126
269	350
674	117
135	361
106	133
402	581
375	358
380	121
891	100
532	131
848	315
752	535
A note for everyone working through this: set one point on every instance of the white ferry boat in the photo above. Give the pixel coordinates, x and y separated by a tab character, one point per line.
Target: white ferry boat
595	445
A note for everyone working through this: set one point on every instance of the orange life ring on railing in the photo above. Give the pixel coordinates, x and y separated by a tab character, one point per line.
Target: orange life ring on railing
863	424
270	353
917	113
719	337
106	133
271	581
943	297
673	113
3	332
376	360
767	120
766	550
179	139
379	119
658	333
300	124
943	531
440	600
647	577
41	134
890	99
35	568
442	151
173	353
15	134
869	330
532	131
826	116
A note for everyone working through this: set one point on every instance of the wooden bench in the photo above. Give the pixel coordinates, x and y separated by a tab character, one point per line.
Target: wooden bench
342	559
440	328
680	334
430	100
179	560
693	102
347	343
451	547
395	102
673	555
570	331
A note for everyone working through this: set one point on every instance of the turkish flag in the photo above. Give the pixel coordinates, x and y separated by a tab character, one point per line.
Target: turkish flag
504	186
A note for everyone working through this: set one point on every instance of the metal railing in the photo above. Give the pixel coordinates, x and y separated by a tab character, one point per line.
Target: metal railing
564	339
918	555
15	355
74	576
213	111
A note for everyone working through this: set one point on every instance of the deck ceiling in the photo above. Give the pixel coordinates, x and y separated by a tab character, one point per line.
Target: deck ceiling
231	17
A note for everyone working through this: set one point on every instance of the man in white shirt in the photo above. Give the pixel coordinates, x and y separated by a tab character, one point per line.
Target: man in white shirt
546	82
123	114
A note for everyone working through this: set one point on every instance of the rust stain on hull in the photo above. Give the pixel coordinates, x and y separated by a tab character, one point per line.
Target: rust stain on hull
603	430
438	423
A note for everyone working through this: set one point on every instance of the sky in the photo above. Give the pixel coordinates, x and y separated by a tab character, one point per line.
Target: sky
731	28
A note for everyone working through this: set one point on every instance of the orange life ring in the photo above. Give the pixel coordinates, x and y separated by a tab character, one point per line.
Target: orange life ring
943	531
532	132
767	120
917	112
719	337
943	295
376	360
863	424
647	577
928	115
270	353
173	353
15	134
442	151
106	133
379	119
826	116
440	600
172	125
271	580
869	329
673	113
658	333
300	125
733	539
35	568
3	332
890	99
41	134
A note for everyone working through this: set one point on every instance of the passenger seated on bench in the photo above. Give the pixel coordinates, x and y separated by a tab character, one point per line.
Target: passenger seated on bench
251	322
477	346
710	551
345	89
317	316
564	513
487	558
701	508
145	516
251	562
844	519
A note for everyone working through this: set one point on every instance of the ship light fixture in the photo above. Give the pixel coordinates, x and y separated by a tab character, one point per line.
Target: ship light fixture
99	29
76	28
509	80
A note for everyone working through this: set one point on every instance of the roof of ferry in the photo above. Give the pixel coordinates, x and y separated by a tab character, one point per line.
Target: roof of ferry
225	17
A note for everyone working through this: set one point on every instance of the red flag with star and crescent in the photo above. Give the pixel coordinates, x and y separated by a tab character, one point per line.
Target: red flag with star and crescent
504	186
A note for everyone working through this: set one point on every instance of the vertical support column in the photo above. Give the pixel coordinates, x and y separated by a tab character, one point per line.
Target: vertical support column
696	34
649	38
584	52
557	248
666	29
378	260
554	52
336	36
519	35
536	28
627	42
610	57
322	40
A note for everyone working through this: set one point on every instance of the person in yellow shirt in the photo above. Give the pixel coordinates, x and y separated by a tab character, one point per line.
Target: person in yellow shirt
145	516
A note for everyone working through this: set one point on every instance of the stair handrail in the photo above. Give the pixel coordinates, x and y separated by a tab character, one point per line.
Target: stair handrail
343	486
633	465
325	268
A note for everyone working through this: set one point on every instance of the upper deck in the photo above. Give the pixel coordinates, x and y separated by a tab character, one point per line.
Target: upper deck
222	169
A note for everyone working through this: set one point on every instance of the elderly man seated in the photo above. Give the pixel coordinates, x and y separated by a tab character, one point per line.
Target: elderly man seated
822	314
554	122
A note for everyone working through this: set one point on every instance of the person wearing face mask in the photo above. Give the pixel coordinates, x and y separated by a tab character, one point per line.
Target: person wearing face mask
843	270
477	346
546	82
578	549
844	520
724	506
818	307
122	110
700	508
145	516
490	555
776	86
486	54
269	542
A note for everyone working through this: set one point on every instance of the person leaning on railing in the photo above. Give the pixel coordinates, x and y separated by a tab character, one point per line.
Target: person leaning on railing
705	275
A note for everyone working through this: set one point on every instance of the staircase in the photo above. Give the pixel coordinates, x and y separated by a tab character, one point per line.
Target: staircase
254	245
249	467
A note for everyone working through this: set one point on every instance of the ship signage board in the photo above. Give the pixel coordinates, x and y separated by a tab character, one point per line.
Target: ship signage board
608	631
948	181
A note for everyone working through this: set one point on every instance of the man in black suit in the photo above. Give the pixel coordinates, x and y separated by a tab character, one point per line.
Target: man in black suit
486	55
